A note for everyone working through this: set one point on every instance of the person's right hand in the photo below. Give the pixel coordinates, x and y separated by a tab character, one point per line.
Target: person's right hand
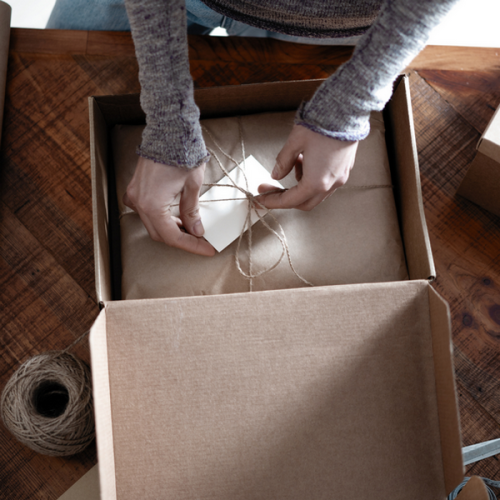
151	193
322	165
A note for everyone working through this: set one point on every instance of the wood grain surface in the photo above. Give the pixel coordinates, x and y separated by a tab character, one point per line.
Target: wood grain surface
112	43
47	291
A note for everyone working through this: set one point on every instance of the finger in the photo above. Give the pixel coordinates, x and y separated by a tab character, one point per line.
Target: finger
298	168
319	198
177	221
289	198
285	160
189	208
128	202
153	233
312	202
171	234
269	188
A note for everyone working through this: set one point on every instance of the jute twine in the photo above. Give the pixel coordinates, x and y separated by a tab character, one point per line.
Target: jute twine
261	211
488	482
47	404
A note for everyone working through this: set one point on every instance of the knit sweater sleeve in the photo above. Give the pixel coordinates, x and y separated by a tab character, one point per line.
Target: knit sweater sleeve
172	135
341	106
339	109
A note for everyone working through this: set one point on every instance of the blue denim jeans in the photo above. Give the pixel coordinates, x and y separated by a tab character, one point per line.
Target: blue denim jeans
111	15
92	15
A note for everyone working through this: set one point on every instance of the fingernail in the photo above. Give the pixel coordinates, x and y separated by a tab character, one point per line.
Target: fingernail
275	172
198	228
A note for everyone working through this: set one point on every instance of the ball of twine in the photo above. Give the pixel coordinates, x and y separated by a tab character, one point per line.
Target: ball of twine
47	404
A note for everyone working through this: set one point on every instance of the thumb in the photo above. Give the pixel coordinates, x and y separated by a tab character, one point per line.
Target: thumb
128	202
190	210
286	159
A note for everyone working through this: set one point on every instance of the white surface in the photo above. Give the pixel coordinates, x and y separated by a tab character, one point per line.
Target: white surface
470	23
219	32
30	13
224	220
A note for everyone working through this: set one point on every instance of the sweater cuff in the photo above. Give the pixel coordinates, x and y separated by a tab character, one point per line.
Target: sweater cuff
175	146
170	163
358	128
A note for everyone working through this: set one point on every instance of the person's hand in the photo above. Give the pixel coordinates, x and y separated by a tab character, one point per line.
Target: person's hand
151	193
322	165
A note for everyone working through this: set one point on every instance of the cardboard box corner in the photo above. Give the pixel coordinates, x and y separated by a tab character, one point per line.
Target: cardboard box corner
481	184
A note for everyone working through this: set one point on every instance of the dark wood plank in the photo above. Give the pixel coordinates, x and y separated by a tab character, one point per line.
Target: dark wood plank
212	73
487	468
264	50
438	57
55	42
111	75
446	142
45	180
112	43
48	310
473	94
46	257
41	271
466	245
483	427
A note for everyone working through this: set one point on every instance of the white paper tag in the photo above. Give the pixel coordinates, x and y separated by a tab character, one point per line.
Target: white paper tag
224	220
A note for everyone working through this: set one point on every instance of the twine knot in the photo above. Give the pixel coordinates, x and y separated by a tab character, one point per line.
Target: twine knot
254	206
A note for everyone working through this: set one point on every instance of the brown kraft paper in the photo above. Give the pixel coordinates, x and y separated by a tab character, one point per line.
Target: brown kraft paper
352	237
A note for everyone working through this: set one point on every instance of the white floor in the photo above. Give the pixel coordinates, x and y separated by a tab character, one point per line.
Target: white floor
471	22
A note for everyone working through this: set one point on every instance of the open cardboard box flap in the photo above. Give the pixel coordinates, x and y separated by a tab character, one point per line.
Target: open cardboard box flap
281	394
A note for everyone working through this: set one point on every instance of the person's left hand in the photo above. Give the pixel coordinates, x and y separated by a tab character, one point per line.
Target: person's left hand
322	165
152	191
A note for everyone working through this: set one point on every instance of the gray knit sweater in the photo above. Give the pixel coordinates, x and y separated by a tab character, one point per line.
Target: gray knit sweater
341	106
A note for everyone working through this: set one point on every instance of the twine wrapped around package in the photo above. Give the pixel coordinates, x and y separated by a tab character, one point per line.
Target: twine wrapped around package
47	403
257	207
253	206
352	237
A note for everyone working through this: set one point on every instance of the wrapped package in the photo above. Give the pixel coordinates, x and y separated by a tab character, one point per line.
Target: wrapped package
352	237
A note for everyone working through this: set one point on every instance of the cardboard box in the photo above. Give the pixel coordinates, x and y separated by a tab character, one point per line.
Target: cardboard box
338	391
5	13
481	184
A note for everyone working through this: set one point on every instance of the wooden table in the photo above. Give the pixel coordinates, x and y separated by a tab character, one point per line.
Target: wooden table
46	250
